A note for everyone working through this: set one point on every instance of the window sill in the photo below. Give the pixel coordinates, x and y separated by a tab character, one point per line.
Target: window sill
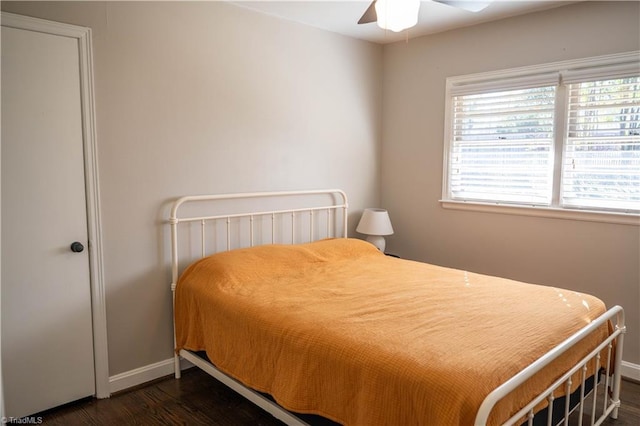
556	213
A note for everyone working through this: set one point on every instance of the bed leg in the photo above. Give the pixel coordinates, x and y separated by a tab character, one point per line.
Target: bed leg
176	366
617	375
615	396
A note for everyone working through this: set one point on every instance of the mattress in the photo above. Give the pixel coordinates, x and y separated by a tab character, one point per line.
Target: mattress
336	328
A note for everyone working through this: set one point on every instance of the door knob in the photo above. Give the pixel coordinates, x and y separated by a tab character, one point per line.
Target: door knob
77	247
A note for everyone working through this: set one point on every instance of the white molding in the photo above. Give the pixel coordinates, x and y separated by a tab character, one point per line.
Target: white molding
145	374
12	20
98	302
539	211
631	371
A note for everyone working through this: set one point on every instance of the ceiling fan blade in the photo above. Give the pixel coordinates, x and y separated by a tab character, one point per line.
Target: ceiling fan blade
369	14
469	5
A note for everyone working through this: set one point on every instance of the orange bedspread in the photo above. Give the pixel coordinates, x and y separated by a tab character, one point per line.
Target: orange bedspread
338	329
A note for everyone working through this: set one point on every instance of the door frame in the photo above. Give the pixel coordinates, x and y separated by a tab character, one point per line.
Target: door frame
96	265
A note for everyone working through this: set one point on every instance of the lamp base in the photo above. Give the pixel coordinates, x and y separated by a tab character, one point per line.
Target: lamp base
378	241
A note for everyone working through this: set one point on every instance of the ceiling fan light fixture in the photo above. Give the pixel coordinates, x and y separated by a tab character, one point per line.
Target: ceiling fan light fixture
397	15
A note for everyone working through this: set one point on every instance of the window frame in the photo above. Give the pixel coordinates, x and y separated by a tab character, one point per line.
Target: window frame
601	67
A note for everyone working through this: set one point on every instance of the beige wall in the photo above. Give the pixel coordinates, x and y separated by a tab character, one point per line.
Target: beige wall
599	258
207	97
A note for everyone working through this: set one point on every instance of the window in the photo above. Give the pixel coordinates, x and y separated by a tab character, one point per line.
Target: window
601	165
502	147
563	136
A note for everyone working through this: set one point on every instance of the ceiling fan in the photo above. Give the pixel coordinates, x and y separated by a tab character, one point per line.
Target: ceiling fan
398	15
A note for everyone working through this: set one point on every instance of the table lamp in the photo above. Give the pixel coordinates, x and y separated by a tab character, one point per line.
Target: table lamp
375	223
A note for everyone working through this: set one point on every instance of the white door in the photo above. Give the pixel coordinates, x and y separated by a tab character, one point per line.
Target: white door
47	343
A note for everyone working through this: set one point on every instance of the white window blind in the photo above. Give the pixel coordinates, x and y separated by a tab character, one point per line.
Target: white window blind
502	145
601	164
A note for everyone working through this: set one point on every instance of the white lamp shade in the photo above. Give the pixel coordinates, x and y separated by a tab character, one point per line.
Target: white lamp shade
397	15
375	222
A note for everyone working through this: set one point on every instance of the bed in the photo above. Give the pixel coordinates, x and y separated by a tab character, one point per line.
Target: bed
273	299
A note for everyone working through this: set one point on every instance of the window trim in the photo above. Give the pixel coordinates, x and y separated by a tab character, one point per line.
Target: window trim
569	68
548	212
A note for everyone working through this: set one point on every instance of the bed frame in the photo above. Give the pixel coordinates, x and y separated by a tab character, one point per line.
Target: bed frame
317	214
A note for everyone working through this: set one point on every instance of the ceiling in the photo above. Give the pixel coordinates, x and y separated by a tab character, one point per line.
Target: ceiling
342	16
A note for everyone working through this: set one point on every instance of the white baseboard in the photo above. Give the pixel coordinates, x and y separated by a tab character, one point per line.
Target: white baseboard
164	368
144	374
631	371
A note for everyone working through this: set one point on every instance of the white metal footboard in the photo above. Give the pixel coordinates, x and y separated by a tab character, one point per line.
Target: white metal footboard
610	397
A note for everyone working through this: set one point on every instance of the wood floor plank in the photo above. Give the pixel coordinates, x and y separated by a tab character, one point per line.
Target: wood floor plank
198	399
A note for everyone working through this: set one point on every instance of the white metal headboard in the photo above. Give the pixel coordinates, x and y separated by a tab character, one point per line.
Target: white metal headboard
335	219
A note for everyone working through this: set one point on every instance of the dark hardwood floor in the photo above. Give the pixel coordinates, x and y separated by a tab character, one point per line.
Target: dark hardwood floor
629	413
198	399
